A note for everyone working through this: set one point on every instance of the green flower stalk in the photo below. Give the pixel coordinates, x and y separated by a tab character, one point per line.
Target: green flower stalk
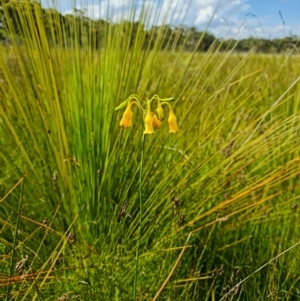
151	121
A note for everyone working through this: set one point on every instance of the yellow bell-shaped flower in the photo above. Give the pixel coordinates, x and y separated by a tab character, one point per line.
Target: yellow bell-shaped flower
156	122
172	121
126	120
160	111
148	120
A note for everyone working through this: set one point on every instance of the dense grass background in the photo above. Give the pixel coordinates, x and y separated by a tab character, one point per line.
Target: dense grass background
219	197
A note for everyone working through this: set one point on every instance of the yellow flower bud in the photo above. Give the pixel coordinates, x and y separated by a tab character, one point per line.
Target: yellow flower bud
172	121
156	122
126	120
148	121
160	111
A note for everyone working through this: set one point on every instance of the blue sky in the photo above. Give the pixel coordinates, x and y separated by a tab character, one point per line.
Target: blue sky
240	18
267	11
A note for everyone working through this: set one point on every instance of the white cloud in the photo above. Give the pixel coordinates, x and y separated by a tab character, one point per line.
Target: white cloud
197	13
229	16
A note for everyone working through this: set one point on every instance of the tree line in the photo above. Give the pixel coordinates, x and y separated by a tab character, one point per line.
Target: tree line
78	28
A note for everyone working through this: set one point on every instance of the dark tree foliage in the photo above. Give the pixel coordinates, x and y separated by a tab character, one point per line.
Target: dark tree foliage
79	29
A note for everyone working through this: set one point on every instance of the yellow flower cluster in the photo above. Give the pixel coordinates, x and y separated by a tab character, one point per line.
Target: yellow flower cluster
151	120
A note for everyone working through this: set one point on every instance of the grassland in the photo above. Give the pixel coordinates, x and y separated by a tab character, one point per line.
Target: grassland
212	210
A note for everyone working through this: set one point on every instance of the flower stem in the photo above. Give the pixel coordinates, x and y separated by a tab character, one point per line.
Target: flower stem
141	219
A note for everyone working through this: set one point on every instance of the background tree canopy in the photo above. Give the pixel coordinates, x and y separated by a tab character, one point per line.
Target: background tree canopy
186	37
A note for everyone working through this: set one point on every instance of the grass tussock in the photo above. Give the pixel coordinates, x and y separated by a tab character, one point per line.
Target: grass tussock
212	204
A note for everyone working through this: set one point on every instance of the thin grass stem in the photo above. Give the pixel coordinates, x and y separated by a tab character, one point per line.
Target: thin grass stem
15	237
141	218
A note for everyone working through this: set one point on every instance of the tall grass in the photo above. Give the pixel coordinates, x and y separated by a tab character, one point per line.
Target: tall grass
219	197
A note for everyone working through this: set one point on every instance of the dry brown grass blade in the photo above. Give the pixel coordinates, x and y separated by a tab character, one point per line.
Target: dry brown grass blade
14	187
172	270
237	196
